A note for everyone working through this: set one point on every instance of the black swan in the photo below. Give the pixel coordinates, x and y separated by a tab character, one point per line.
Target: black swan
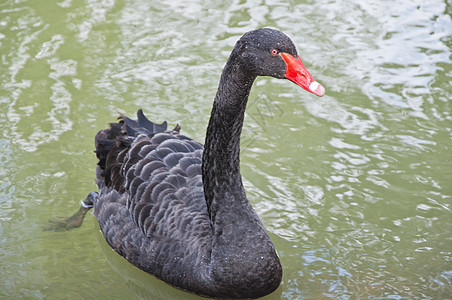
177	209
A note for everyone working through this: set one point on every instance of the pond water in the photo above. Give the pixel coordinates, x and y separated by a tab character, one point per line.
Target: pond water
355	188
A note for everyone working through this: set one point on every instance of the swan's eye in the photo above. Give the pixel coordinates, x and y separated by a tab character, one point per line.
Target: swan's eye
274	52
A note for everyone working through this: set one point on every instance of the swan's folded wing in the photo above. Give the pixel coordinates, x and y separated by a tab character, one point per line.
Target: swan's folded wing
158	173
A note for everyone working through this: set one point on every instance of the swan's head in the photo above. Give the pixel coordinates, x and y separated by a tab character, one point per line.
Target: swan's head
269	52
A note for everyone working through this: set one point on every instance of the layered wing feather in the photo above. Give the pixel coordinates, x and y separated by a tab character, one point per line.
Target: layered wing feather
151	198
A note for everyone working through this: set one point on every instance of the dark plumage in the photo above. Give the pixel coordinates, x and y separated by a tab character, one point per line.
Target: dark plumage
177	209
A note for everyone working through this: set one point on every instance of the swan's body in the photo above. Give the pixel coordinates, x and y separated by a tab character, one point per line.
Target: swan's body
177	209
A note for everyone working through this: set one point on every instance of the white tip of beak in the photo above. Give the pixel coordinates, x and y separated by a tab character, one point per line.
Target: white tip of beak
317	89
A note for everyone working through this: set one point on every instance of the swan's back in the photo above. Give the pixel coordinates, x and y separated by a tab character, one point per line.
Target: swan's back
151	206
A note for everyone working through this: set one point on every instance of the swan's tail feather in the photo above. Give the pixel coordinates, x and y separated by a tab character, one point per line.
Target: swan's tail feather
142	125
105	140
145	123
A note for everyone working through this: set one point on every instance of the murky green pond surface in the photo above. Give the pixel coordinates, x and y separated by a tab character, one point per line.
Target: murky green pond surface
354	188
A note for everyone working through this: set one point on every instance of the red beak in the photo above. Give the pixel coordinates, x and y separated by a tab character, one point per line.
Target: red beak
297	73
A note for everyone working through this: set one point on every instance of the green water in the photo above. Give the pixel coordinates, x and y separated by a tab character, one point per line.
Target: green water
354	188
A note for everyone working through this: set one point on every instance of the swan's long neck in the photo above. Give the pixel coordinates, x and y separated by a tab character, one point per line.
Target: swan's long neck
221	158
240	246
